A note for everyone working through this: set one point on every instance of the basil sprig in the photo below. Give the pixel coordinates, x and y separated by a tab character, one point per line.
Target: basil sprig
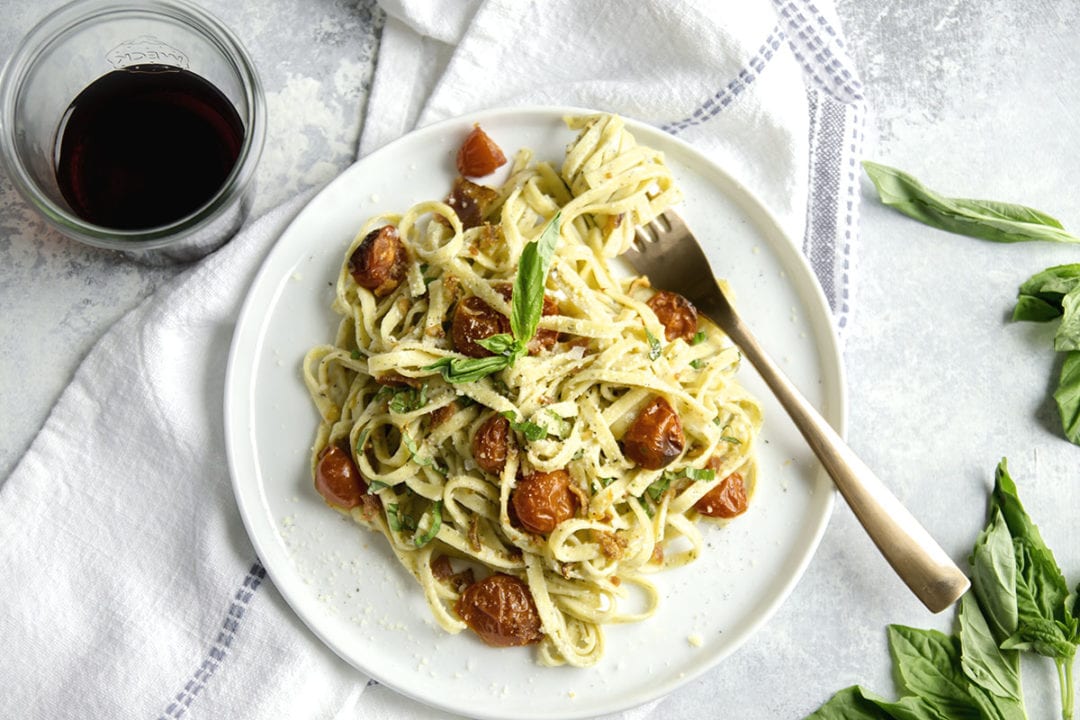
526	308
983	219
1047	295
1020	603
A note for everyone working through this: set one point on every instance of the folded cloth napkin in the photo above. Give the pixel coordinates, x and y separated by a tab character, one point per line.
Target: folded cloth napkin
129	588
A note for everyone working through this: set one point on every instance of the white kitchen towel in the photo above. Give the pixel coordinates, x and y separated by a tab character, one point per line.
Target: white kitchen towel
129	588
765	89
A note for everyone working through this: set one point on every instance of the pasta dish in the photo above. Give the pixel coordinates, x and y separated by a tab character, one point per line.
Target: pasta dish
533	430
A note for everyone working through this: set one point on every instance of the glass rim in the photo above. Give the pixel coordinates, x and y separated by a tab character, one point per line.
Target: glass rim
52	28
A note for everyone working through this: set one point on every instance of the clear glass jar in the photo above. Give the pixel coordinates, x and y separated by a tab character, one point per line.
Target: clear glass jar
83	41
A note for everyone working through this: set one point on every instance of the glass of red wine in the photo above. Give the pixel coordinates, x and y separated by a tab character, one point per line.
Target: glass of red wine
134	126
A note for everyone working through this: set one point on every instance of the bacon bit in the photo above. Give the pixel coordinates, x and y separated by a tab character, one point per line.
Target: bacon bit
657	555
370	508
451	285
444	572
441	568
614	222
491	238
395	379
474	534
471	202
611	544
616	580
462	580
583	499
443	413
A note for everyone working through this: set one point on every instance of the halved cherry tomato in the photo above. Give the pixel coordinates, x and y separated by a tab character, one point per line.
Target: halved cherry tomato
501	610
655	438
338	480
726	500
479	155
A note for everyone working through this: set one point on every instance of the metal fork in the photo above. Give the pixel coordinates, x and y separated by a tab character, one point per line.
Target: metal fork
668	253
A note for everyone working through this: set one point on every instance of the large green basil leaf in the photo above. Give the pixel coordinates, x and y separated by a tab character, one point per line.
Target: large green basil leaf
983	219
993	577
850	704
928	665
983	662
1040	296
1067	397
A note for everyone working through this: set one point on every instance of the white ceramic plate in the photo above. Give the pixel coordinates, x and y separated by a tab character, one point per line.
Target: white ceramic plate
345	584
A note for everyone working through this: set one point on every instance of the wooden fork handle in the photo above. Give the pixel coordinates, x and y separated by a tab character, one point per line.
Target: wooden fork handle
913	553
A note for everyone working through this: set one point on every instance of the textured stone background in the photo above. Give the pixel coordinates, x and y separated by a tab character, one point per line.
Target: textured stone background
976	98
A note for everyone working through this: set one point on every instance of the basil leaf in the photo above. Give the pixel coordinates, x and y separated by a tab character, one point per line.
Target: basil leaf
912	707
658	487
375	486
1032	309
392	518
562	427
1008	211
530	430
1068	333
994	707
466	370
655	348
1041	636
1041	295
928	664
983	219
433	530
695	474
408	399
993	577
501	344
527	302
1067	396
982	661
1045	625
850	704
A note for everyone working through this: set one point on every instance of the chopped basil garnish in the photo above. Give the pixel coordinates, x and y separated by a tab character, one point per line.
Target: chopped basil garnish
530	430
408	399
695	474
433	530
655	348
658	487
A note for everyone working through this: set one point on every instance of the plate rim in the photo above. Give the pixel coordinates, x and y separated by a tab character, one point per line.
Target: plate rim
250	326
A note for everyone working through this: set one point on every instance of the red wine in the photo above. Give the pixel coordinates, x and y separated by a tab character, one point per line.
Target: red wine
146	145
